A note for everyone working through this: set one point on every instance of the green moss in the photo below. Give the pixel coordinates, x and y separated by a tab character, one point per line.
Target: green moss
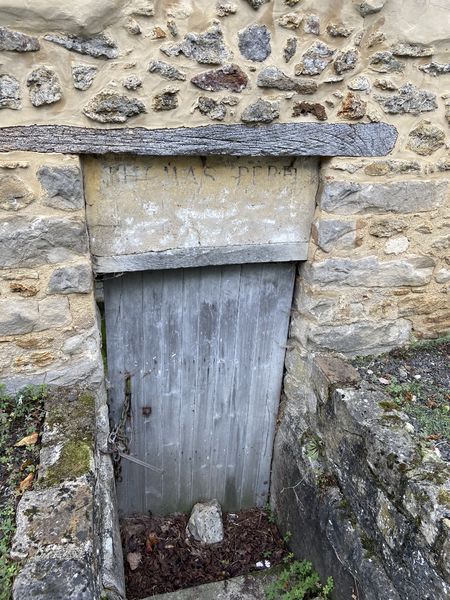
74	461
369	545
388	405
73	419
444	498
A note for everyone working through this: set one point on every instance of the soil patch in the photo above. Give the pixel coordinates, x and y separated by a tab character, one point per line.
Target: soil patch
417	379
21	419
160	557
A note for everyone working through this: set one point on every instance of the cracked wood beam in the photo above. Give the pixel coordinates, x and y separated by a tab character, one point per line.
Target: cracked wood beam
281	139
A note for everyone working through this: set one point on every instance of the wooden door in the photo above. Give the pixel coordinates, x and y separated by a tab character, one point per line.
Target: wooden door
203	350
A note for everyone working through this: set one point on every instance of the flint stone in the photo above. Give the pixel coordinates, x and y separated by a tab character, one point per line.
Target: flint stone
312	25
353	107
426	139
315	59
290	49
434	68
71	280
359	84
361	338
290	20
206	48
31	242
112	107
273	77
370	272
349	197
14	41
385	62
14	193
229	77
98	46
63	187
10	95
254	43
385	84
44	577
309	108
44	86
83	76
166	100
339	30
346	61
408	100
370	7
412	50
332	234
225	9
257	3
132	26
132	82
166	70
261	111
205	523
214	109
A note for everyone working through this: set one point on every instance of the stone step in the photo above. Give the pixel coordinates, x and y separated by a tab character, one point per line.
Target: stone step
245	587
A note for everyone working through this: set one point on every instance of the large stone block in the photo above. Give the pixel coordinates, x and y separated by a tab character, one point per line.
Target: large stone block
30	242
361	338
371	272
18	316
411	196
332	233
54	516
75	279
53	312
63	187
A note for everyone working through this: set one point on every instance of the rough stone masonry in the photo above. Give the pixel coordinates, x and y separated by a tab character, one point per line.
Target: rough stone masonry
378	269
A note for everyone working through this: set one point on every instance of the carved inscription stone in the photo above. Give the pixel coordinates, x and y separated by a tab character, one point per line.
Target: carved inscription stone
151	204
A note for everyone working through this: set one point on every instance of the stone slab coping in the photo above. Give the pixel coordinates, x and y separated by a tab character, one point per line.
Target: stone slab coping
246	587
280	139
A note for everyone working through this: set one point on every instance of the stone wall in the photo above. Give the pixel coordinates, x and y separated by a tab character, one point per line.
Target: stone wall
378	268
48	324
362	496
173	62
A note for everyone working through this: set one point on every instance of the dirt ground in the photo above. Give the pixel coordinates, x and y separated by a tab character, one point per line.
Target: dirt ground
417	380
160	557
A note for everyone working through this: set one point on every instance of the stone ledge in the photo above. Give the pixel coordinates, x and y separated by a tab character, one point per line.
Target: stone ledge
354	485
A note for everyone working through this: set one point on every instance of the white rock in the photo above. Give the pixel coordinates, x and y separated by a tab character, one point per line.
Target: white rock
396	245
205	523
442	276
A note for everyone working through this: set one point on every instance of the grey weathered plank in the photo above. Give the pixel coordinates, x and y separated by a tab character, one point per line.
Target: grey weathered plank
181	258
205	349
280	139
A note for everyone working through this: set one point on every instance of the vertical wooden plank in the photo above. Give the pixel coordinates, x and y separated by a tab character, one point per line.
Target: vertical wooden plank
205	349
131	488
152	407
224	417
209	291
188	385
171	318
274	304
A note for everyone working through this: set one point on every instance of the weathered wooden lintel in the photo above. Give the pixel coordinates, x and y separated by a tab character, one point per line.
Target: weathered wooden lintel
182	258
280	139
